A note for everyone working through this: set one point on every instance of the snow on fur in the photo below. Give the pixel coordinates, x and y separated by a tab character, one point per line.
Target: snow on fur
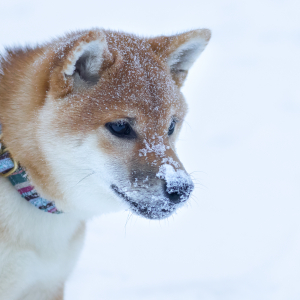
176	180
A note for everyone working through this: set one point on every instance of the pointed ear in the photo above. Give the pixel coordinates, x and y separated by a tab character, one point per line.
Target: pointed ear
80	65
181	51
86	58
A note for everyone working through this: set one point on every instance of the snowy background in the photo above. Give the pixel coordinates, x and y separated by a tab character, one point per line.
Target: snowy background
239	238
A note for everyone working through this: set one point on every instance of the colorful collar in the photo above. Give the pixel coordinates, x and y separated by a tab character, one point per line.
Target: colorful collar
17	176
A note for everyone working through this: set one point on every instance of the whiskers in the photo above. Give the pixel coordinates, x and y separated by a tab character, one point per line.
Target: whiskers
196	181
84	173
130	214
85	177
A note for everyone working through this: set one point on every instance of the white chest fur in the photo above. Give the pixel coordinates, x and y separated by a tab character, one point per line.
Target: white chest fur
37	250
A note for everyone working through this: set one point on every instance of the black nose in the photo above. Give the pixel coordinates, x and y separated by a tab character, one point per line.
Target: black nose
178	192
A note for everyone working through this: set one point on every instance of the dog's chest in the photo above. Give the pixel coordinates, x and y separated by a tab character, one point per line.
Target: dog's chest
37	248
42	267
50	267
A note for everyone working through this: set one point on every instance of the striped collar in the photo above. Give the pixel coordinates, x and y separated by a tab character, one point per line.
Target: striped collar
18	177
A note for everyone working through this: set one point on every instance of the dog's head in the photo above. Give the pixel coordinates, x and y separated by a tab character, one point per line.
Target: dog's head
107	126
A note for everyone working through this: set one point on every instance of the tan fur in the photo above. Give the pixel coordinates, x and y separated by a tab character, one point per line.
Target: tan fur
43	103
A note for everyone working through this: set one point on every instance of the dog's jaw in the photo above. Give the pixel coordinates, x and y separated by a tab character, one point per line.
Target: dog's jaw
158	208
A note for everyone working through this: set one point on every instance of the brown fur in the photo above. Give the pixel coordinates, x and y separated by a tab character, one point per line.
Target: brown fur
135	83
34	81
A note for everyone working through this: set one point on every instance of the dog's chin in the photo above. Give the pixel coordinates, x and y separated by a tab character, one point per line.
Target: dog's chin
157	208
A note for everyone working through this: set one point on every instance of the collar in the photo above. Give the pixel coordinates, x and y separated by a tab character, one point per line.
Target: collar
17	176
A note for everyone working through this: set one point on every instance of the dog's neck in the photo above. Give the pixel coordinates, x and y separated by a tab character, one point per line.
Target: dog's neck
19	179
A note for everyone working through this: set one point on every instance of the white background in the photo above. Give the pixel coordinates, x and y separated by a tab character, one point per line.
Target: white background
239	238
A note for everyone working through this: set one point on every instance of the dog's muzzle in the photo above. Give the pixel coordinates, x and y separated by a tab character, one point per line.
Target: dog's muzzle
154	207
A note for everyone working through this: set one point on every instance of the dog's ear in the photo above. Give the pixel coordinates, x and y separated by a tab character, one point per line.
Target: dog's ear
180	51
86	58
83	60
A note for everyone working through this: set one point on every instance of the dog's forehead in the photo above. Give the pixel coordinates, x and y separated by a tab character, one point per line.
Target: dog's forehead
142	83
137	86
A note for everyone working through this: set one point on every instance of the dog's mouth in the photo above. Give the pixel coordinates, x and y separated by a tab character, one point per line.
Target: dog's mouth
154	208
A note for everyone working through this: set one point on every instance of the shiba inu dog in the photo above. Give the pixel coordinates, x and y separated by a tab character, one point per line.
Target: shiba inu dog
90	121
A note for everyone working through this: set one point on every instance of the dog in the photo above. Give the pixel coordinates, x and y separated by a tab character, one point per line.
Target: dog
89	123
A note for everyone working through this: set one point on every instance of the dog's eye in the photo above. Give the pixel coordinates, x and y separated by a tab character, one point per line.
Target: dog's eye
121	129
172	127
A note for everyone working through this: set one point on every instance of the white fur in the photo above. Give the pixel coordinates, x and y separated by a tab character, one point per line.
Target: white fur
38	250
83	173
94	50
46	253
44	256
185	55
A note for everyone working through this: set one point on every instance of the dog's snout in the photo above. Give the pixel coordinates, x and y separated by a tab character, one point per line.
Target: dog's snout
174	197
178	192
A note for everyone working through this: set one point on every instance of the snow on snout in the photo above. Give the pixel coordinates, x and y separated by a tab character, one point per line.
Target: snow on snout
158	147
177	181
